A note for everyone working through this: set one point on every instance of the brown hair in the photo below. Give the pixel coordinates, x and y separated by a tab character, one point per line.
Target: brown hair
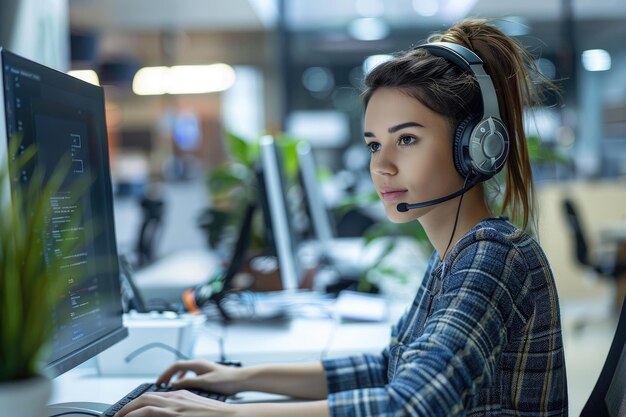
446	89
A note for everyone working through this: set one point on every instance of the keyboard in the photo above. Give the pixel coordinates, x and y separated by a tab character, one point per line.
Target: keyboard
151	387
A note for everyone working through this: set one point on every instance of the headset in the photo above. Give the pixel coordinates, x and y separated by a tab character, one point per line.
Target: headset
481	141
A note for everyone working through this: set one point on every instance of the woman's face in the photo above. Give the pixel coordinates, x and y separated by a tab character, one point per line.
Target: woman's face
411	153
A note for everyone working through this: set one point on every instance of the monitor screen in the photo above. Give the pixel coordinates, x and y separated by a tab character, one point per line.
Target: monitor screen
272	188
316	209
61	116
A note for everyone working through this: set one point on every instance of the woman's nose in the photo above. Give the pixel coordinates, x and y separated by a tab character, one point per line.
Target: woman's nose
382	164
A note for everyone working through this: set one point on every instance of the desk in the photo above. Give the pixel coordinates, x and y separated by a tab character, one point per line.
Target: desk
300	339
167	278
614	234
84	384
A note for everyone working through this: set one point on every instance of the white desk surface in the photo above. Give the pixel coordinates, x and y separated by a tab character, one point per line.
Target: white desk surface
167	278
84	384
297	340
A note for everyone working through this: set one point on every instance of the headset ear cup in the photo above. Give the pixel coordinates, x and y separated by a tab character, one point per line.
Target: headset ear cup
488	147
461	135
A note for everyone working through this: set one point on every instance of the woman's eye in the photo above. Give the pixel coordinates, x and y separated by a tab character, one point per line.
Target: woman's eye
406	140
373	146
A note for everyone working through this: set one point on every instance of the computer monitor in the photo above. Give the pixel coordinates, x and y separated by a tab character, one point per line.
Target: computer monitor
343	256
316	209
62	115
272	187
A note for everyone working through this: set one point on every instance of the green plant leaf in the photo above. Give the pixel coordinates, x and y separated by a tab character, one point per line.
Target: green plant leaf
239	149
541	153
232	186
30	286
288	146
357	200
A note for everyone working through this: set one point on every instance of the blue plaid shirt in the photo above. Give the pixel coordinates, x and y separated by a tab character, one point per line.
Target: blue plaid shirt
482	338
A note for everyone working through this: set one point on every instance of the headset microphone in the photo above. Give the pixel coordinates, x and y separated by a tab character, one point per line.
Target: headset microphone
404	207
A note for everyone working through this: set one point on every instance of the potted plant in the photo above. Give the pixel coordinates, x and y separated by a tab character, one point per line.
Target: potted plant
29	286
232	186
383	238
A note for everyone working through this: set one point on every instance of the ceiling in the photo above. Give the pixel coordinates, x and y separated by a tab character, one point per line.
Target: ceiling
238	15
243	32
236	29
151	15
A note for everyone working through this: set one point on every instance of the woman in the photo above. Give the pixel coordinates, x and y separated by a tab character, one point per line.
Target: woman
483	335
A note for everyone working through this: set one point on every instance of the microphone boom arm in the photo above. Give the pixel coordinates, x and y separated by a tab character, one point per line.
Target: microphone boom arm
404	207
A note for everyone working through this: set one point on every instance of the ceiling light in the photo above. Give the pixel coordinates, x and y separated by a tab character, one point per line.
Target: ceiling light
183	79
318	79
89	76
596	60
368	29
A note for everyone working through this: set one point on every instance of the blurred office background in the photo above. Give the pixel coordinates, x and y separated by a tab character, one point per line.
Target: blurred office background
296	67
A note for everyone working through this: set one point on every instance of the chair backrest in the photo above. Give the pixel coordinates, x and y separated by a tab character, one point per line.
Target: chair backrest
574	223
608	398
150	229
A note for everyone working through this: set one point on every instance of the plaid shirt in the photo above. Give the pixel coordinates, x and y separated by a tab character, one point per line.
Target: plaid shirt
482	338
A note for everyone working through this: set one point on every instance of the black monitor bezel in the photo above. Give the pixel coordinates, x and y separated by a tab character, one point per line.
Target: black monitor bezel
83	353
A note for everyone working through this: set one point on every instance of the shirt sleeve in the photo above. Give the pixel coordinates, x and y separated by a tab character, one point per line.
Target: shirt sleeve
439	371
355	372
363	371
368	371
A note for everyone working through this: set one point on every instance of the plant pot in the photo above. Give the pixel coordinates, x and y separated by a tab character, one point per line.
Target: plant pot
25	398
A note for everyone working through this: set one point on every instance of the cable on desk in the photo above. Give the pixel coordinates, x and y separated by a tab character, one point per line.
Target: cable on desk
137	352
222	353
336	322
220	340
70	413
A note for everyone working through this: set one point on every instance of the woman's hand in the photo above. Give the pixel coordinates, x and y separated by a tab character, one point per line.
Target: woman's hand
175	404
209	376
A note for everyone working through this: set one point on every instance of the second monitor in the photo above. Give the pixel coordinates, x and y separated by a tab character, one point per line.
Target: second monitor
272	189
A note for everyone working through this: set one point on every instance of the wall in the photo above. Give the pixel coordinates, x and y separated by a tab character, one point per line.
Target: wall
600	204
38	31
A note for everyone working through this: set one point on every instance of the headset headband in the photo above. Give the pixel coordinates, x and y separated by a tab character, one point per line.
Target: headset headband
470	62
480	145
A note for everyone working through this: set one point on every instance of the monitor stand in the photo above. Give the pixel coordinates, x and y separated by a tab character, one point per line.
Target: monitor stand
76	409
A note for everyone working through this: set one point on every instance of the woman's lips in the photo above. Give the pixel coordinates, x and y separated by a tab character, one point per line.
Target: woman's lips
392	195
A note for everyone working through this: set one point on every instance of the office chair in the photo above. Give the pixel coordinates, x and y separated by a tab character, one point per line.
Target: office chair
608	398
151	225
612	269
